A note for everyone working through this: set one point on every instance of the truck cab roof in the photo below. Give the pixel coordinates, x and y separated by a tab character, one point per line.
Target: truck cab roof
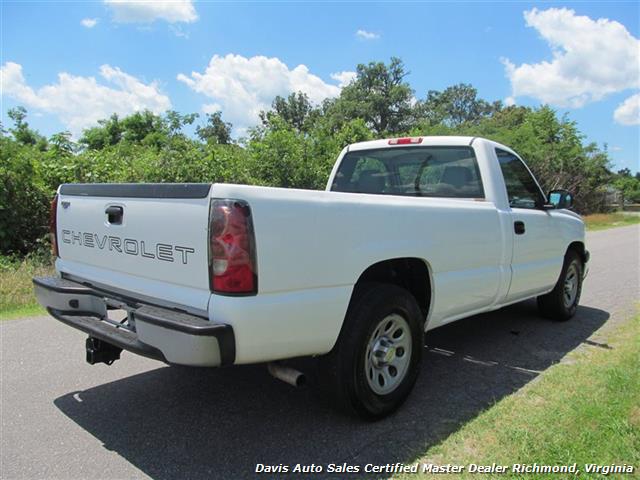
428	140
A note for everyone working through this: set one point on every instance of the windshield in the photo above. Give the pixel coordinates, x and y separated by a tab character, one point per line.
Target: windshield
411	171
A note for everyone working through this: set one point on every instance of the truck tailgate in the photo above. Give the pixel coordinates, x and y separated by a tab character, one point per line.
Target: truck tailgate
149	231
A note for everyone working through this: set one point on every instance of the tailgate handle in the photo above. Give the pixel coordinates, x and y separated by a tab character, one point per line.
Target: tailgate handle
114	214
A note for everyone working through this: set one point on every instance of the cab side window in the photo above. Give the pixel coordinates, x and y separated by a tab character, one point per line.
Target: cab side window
522	189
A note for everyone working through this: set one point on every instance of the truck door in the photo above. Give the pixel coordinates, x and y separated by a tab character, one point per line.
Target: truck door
537	245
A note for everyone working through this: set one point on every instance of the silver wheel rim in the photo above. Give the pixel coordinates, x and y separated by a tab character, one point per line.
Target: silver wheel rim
388	354
570	290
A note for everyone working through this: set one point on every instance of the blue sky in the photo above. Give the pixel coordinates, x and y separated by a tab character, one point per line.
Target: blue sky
582	58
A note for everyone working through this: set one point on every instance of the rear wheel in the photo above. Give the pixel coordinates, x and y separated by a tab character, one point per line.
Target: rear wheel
562	302
375	363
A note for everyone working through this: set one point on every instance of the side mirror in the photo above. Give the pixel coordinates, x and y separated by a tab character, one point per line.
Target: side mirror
560	199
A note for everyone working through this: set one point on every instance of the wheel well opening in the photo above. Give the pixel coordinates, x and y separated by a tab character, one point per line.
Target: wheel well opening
578	247
412	274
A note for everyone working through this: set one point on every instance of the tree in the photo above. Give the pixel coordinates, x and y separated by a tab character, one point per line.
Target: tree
379	95
138	126
61	143
628	185
21	131
175	121
108	132
455	106
296	111
215	130
24	201
280	156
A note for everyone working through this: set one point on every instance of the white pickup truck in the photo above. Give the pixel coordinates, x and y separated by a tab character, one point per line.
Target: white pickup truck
410	234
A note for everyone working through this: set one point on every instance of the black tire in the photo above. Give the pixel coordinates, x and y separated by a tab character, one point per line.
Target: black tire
555	305
342	371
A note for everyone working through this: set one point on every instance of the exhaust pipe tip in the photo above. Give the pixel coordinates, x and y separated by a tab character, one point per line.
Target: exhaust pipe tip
301	381
287	374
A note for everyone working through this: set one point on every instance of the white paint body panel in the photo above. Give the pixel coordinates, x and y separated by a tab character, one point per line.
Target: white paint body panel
152	222
312	246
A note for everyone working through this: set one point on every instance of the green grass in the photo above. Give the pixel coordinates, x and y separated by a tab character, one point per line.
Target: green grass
30	310
16	290
586	410
602	221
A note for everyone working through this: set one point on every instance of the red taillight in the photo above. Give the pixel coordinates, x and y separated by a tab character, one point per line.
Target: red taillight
232	252
53	225
405	141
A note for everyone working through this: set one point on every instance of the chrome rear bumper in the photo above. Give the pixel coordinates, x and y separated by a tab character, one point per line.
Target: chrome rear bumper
167	335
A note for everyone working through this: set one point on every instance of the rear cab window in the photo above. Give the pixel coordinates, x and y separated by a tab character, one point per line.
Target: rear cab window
450	172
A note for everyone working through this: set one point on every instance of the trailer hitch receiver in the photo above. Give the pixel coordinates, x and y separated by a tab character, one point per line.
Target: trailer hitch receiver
99	351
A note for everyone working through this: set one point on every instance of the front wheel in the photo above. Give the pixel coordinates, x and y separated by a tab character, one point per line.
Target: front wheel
562	302
375	363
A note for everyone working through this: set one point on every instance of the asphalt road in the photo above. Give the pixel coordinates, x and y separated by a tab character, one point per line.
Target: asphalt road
62	418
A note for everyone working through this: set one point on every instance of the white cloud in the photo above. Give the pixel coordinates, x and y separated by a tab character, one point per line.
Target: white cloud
590	59
89	22
628	112
241	87
364	35
148	11
615	148
344	78
211	108
80	102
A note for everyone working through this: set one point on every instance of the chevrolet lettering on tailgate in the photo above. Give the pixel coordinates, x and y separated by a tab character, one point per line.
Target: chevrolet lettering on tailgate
128	246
